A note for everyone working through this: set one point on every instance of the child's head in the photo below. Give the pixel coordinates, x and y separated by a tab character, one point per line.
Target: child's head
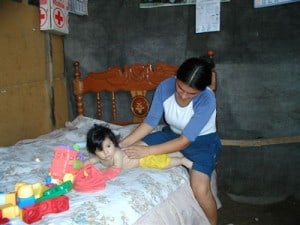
96	135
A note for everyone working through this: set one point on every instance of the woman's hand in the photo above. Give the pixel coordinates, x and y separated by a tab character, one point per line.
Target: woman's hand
136	151
123	143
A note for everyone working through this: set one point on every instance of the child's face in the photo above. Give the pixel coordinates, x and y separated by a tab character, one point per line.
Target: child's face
108	150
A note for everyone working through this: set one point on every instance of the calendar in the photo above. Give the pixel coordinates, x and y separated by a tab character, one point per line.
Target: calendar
78	7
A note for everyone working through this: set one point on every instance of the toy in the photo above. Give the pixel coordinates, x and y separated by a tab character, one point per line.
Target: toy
9	211
56	190
90	178
36	189
30	208
27	193
35	212
7	198
4	220
32	201
65	160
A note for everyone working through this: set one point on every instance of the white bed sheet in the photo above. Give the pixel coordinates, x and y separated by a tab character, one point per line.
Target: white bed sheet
137	196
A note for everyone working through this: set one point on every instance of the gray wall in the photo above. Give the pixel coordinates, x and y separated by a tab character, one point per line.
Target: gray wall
257	57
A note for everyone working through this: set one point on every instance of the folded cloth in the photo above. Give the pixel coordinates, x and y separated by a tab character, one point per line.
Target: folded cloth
90	178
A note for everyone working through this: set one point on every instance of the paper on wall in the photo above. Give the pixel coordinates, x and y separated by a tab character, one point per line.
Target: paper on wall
207	15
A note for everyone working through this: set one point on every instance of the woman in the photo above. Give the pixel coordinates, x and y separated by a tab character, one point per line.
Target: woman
189	109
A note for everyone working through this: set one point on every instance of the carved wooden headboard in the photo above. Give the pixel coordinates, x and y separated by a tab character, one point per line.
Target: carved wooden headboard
137	79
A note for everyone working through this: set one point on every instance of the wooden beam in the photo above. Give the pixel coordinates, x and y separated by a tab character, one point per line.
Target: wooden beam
261	142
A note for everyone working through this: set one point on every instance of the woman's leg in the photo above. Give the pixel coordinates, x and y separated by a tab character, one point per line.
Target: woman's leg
200	184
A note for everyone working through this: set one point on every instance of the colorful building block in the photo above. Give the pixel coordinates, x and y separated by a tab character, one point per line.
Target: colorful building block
6	198
35	212
27	193
4	220
56	190
9	211
24	202
65	160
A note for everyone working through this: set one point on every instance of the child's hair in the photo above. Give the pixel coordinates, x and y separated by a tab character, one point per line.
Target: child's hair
96	136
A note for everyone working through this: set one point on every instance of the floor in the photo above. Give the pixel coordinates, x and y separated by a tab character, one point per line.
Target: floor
282	213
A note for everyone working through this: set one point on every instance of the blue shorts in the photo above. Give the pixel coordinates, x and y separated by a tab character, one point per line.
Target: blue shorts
203	152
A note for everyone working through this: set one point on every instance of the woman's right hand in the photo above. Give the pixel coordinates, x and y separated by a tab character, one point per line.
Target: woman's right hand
136	151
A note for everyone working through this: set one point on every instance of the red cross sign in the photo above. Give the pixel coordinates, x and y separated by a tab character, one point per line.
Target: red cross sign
43	16
54	16
58	16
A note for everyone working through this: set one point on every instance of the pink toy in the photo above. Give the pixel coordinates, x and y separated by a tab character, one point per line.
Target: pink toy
65	160
90	178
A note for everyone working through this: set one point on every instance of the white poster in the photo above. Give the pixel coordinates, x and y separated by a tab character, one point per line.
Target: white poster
207	16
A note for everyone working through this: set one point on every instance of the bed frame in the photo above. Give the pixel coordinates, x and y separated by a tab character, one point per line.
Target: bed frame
137	79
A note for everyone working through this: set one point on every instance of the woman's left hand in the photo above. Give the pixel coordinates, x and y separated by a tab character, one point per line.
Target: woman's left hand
136	151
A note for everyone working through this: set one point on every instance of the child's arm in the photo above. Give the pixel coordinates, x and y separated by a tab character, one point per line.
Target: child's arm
92	160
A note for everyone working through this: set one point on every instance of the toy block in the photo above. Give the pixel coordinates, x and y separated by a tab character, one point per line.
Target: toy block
25	196
69	176
56	190
4	220
24	202
27	193
35	212
6	198
9	211
11	198
65	160
24	190
38	189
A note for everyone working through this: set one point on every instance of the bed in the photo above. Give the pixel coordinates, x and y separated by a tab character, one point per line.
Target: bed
133	197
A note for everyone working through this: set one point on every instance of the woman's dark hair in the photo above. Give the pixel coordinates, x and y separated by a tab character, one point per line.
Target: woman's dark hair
96	136
196	72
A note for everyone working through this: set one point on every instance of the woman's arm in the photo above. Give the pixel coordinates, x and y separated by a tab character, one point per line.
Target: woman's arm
136	135
174	145
139	151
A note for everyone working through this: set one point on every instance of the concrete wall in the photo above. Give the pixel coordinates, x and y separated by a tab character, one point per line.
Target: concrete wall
257	58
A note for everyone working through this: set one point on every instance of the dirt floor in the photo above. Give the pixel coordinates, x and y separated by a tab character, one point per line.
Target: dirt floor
281	213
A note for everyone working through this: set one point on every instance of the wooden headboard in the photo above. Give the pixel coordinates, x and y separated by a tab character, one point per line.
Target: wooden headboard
137	79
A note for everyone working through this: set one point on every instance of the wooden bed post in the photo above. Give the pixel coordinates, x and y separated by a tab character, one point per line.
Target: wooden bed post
98	103
213	85
78	89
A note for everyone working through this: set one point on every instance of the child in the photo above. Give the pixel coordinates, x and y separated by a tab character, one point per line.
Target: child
103	143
